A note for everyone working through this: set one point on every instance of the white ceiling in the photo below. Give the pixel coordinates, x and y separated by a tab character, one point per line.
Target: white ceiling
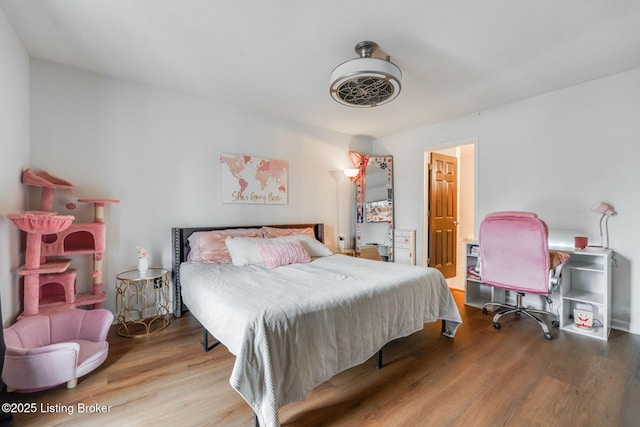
456	56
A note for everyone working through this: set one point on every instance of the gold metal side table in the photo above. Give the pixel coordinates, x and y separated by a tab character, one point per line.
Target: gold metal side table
142	302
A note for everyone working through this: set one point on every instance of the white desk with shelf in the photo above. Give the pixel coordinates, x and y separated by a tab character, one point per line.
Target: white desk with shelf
586	285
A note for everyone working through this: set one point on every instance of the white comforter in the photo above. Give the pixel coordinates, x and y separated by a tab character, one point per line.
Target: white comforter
294	327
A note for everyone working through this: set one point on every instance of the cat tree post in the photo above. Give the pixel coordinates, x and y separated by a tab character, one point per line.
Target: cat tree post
98	218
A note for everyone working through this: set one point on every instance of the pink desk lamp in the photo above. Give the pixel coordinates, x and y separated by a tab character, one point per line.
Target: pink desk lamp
606	210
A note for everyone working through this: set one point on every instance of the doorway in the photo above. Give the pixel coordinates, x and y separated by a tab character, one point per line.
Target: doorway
449	220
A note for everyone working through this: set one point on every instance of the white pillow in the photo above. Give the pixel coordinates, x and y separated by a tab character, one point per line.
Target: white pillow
244	250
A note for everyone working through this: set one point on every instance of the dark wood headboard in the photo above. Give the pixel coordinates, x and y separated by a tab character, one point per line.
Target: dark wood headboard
180	243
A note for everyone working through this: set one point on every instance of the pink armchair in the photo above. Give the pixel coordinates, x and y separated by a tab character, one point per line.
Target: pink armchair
44	351
514	255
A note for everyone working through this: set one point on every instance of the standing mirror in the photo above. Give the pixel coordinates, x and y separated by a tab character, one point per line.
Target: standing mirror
374	208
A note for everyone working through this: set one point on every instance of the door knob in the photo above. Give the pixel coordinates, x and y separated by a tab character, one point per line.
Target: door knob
455	223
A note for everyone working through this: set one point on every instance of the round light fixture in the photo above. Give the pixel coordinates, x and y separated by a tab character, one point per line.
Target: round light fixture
365	81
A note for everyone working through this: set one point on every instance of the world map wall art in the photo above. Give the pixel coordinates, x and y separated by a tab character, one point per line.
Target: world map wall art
253	180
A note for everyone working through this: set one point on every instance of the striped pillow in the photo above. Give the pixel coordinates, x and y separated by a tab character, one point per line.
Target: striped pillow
277	254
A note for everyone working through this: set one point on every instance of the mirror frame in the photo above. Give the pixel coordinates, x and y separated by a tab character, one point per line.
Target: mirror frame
386	164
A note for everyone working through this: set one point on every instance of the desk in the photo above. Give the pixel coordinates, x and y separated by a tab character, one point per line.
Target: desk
142	302
585	285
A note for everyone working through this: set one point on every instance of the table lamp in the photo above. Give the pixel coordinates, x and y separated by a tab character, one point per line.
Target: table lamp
606	210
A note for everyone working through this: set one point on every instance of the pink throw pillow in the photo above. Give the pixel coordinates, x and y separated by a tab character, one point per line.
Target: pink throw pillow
209	246
277	254
557	258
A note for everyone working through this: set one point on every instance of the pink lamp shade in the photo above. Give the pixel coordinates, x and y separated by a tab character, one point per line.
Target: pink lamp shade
604	209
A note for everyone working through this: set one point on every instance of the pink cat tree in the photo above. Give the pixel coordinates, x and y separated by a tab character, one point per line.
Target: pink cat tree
51	235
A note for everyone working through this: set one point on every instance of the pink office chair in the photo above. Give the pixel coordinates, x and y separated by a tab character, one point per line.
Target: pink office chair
44	351
514	255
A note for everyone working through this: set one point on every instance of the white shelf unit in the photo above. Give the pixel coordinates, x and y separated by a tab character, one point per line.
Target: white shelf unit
586	285
404	246
476	293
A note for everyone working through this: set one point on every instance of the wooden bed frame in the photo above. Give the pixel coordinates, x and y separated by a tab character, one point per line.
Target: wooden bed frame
180	239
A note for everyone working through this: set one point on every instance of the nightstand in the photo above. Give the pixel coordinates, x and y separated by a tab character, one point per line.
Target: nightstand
142	302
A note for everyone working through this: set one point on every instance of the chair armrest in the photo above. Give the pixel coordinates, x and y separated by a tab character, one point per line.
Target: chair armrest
51	348
40	367
558	271
555	277
95	325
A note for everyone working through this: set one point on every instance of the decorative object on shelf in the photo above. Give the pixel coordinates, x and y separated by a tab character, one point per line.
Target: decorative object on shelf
580	242
253	180
583	319
143	261
341	242
606	210
365	81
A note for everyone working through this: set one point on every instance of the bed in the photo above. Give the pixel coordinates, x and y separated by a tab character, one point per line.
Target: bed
295	325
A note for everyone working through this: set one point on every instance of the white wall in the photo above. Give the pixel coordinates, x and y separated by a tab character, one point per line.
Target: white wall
14	144
556	154
157	151
466	207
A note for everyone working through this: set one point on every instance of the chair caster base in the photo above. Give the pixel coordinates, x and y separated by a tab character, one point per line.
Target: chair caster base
484	310
548	335
555	324
497	325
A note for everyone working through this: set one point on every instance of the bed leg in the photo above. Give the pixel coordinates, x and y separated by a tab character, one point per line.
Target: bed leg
205	342
379	359
256	423
444	326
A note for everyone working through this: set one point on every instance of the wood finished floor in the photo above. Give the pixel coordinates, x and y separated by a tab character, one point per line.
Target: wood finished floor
483	377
